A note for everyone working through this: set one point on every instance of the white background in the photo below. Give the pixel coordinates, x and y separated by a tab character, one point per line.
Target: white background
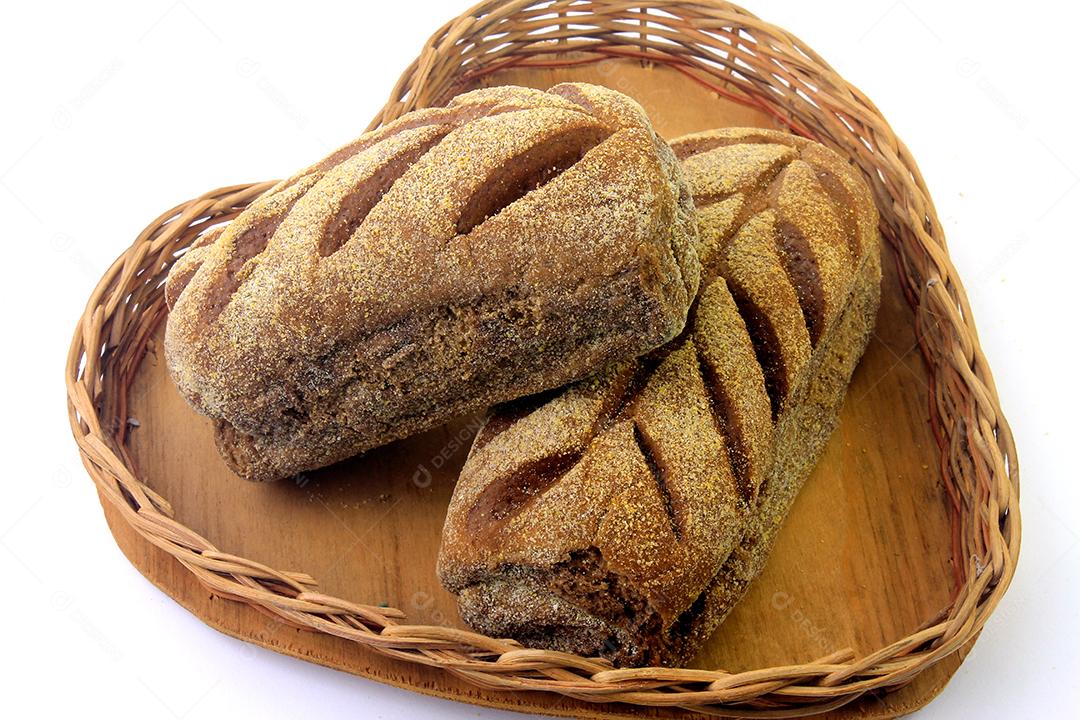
113	111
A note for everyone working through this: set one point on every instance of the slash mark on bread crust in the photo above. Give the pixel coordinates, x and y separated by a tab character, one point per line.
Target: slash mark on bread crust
247	244
721	407
845	204
689	148
356	205
803	273
766	347
528	171
648	452
507	496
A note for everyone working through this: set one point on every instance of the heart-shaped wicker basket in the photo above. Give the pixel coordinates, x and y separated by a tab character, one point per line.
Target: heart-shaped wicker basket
744	59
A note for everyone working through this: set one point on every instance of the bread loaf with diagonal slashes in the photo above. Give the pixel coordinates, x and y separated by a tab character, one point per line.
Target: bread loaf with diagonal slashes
510	242
626	514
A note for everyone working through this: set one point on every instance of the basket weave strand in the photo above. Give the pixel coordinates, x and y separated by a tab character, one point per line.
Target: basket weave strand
740	57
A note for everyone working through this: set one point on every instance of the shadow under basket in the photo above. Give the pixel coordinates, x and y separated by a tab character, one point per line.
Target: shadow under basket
899	547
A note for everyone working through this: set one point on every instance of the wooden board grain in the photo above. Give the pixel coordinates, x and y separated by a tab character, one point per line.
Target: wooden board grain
863	560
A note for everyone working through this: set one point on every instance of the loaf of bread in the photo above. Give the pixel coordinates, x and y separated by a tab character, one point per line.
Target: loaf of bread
625	515
508	243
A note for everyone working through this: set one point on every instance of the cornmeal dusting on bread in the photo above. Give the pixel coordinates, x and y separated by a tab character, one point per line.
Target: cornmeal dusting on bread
508	243
762	287
733	168
626	514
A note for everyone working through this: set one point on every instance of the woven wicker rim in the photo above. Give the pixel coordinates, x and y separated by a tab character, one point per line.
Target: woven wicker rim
740	57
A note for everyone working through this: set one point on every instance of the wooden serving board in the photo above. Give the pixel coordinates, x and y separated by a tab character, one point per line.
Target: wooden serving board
863	560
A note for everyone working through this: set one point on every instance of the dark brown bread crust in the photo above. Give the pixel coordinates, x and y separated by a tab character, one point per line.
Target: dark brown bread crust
508	243
625	515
